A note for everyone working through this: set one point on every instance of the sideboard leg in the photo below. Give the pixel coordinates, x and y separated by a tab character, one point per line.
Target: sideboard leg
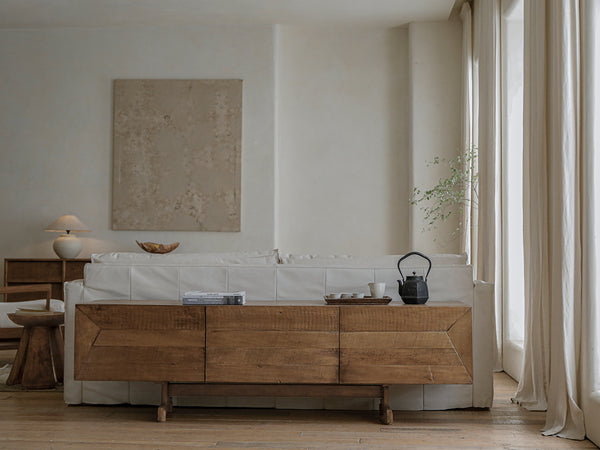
386	415
161	415
165	401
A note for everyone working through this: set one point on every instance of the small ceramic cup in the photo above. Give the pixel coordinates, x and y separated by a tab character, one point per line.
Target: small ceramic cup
345	295
356	295
334	296
377	289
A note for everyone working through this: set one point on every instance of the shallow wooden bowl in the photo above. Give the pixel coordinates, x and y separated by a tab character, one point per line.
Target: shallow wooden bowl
153	247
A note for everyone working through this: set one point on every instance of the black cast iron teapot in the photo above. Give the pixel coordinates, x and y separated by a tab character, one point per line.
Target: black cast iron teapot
413	290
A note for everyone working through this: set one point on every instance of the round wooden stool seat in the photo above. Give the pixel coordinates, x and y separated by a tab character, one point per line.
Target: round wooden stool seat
39	360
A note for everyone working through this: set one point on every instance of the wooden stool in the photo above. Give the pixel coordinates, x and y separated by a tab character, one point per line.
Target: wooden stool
39	360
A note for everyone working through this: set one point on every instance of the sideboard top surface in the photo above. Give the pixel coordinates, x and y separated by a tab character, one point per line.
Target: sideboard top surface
393	304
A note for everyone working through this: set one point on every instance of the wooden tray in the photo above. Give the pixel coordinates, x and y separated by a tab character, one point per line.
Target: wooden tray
358	301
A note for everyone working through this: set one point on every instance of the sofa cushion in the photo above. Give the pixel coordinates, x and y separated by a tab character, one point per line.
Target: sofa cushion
259	283
203	279
106	282
154	283
300	283
182	259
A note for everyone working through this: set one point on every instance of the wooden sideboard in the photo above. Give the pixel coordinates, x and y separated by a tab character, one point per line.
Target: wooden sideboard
274	349
52	271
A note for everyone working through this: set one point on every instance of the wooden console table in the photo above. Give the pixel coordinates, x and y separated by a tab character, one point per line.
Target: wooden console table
54	271
274	349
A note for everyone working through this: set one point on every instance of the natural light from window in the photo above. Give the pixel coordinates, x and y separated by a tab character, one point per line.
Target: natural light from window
512	191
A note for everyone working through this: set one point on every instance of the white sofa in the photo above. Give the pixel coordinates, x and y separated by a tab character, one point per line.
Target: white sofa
276	277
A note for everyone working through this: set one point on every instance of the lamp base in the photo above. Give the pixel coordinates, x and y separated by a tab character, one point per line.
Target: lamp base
67	246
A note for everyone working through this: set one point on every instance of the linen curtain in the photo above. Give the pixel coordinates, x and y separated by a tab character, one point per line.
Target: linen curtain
481	129
559	205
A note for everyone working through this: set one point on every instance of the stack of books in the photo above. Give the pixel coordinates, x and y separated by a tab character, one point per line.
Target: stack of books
214	298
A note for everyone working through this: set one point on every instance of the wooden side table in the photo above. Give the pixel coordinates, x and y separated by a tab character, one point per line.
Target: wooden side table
39	360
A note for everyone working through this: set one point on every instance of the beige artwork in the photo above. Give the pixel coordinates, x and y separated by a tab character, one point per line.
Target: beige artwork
177	155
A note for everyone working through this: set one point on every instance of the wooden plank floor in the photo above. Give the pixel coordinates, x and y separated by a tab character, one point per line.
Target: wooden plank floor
31	420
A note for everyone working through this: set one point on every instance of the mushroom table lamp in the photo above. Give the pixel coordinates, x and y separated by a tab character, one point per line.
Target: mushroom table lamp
67	245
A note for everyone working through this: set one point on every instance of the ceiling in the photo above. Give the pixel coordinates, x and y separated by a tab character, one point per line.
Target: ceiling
101	13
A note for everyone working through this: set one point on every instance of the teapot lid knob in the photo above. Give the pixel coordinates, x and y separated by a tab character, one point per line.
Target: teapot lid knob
414	273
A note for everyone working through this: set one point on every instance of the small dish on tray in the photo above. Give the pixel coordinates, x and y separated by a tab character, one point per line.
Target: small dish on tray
367	300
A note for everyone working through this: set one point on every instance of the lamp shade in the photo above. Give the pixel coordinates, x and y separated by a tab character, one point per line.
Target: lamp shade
67	245
67	223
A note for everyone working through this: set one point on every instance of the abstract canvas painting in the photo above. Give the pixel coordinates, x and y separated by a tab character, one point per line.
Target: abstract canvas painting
177	155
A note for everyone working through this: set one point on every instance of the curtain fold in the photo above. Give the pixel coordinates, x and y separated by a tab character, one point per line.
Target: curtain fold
485	237
554	213
468	231
590	129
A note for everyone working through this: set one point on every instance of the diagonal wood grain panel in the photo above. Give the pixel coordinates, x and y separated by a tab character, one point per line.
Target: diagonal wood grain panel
400	318
158	363
405	345
139	343
145	317
86	332
460	334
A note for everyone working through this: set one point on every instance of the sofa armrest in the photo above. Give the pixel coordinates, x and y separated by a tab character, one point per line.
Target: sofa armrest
483	344
73	291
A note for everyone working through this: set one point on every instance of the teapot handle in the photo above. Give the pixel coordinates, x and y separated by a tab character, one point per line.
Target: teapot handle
418	254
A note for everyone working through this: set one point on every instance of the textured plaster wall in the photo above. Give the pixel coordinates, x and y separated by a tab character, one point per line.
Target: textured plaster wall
342	112
177	155
56	118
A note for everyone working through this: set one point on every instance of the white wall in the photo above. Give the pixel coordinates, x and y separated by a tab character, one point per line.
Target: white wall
342	113
435	112
340	103
56	118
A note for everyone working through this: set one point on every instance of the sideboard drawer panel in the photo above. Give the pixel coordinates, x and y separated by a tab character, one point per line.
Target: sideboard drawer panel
148	343
273	318
406	345
272	344
143	364
428	317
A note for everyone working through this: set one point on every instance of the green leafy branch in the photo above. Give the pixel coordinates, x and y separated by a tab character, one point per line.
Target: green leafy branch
451	194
